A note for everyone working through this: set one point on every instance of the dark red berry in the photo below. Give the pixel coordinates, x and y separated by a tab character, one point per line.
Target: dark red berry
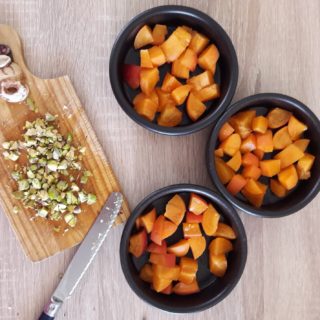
5	50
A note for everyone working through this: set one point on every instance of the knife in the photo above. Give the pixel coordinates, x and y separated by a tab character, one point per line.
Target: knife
84	255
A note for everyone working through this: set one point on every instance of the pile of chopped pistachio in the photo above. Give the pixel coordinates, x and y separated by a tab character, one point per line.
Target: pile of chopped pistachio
48	182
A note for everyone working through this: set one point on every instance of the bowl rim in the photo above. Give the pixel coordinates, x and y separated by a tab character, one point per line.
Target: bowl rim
215	198
237	106
115	78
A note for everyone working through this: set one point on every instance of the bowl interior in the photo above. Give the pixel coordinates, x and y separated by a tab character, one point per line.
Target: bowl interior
173	16
213	289
305	189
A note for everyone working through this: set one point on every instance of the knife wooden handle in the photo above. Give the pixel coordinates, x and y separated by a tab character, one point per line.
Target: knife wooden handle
44	316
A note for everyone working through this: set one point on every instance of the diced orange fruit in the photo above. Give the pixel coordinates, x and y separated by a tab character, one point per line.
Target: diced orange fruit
175	209
253	187
288	177
131	75
171	116
180	94
179	70
270	168
281	138
162	229
302	144
264	141
198	246
164	98
218	264
148	220
180	248
163	259
220	246
251	172
188	29
170	273
218	152
155	248
154	97
235	162
201	80
191	230
157	56
242	122
256	198
225	173
146	273
277	188
259	154
249	143
183	35
189	59
197	205
225	131
195	108
143	37
296	128
172	47
210	220
231	145
249	159
194	218
159	33
225	231
138	223
289	155
148	79
210	92
208	58
170	83
278	117
138	243
146	108
168	289
188	270
169	229
304	166
236	184
145	60
260	124
159	284
198	42
185	289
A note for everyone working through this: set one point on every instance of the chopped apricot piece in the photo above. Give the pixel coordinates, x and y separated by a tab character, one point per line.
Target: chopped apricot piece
143	37
251	172
131	75
225	173
281	139
231	145
208	58
155	248
191	230
236	184
198	42
289	155
138	223
146	273
288	177
264	141
145	60
277	188
304	166
154	97
218	264
167	290
170	273
225	231
179	70
188	29
164	98
180	94
210	92
171	116
183	35
189	59
175	209
157	56
259	154
163	259
148	220
170	83
242	122
148	79
172	47
180	248
253	187
138	243
260	124
197	205
218	152
302	144
235	162
278	117
188	270
210	220
159	33
193	218
255	199
249	143
249	159
225	131
157	230
296	128
198	246
270	168
220	246
159	284
146	108
195	108
201	80
185	289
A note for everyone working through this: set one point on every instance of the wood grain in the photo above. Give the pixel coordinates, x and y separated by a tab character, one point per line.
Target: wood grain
58	97
278	44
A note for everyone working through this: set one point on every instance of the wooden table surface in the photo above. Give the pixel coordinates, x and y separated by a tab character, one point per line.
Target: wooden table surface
278	44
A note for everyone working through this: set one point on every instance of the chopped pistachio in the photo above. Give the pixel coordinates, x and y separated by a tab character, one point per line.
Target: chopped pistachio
6	145
63	165
36	183
42	213
75	187
49	117
31	104
82	197
70	219
77	210
56	228
18	194
15	209
52	165
23	185
16	175
62	185
69	137
91	199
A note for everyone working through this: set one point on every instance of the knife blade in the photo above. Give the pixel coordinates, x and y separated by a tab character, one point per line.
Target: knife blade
84	255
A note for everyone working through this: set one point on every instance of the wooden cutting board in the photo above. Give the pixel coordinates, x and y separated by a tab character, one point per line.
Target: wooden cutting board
58	97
